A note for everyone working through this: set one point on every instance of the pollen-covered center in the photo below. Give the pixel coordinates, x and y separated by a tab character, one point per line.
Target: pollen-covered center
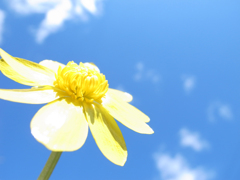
83	82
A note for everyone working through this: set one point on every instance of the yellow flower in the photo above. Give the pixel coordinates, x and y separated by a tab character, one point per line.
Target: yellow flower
78	97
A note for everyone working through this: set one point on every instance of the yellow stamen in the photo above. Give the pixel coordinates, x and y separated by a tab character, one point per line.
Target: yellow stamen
82	82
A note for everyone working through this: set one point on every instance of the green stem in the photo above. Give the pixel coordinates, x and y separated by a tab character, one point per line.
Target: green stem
49	166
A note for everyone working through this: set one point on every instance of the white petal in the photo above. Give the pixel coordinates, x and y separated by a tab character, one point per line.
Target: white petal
31	96
106	133
120	94
53	65
91	66
127	114
12	74
29	70
60	126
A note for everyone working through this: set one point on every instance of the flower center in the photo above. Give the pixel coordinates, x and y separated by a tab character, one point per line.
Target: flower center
82	82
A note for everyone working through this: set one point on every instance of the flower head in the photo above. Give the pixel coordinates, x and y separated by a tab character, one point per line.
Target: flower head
82	82
77	97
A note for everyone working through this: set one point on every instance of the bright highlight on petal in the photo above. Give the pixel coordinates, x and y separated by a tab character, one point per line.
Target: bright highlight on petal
12	74
53	65
78	96
30	70
106	133
30	96
92	66
120	94
127	114
60	126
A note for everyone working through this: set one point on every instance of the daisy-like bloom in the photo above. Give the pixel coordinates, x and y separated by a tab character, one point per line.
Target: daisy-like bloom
78	97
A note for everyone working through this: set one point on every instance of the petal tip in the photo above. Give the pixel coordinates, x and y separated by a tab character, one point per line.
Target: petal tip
122	161
151	132
147	130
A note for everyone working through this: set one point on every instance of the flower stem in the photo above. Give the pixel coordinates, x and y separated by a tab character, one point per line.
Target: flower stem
50	165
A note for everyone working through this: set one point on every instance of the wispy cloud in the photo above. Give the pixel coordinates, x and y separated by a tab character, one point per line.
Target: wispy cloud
189	83
146	74
56	12
2	17
54	20
218	109
177	168
193	140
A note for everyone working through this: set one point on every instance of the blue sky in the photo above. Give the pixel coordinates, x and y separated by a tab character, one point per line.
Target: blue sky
178	58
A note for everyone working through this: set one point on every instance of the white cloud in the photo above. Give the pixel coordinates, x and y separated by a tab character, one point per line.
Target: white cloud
144	73
54	20
90	5
2	17
32	6
217	109
177	168
189	83
192	139
56	12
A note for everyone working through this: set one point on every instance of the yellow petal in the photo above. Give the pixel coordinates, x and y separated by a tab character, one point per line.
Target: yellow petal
60	126
12	74
31	96
29	70
127	114
120	94
106	133
53	65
